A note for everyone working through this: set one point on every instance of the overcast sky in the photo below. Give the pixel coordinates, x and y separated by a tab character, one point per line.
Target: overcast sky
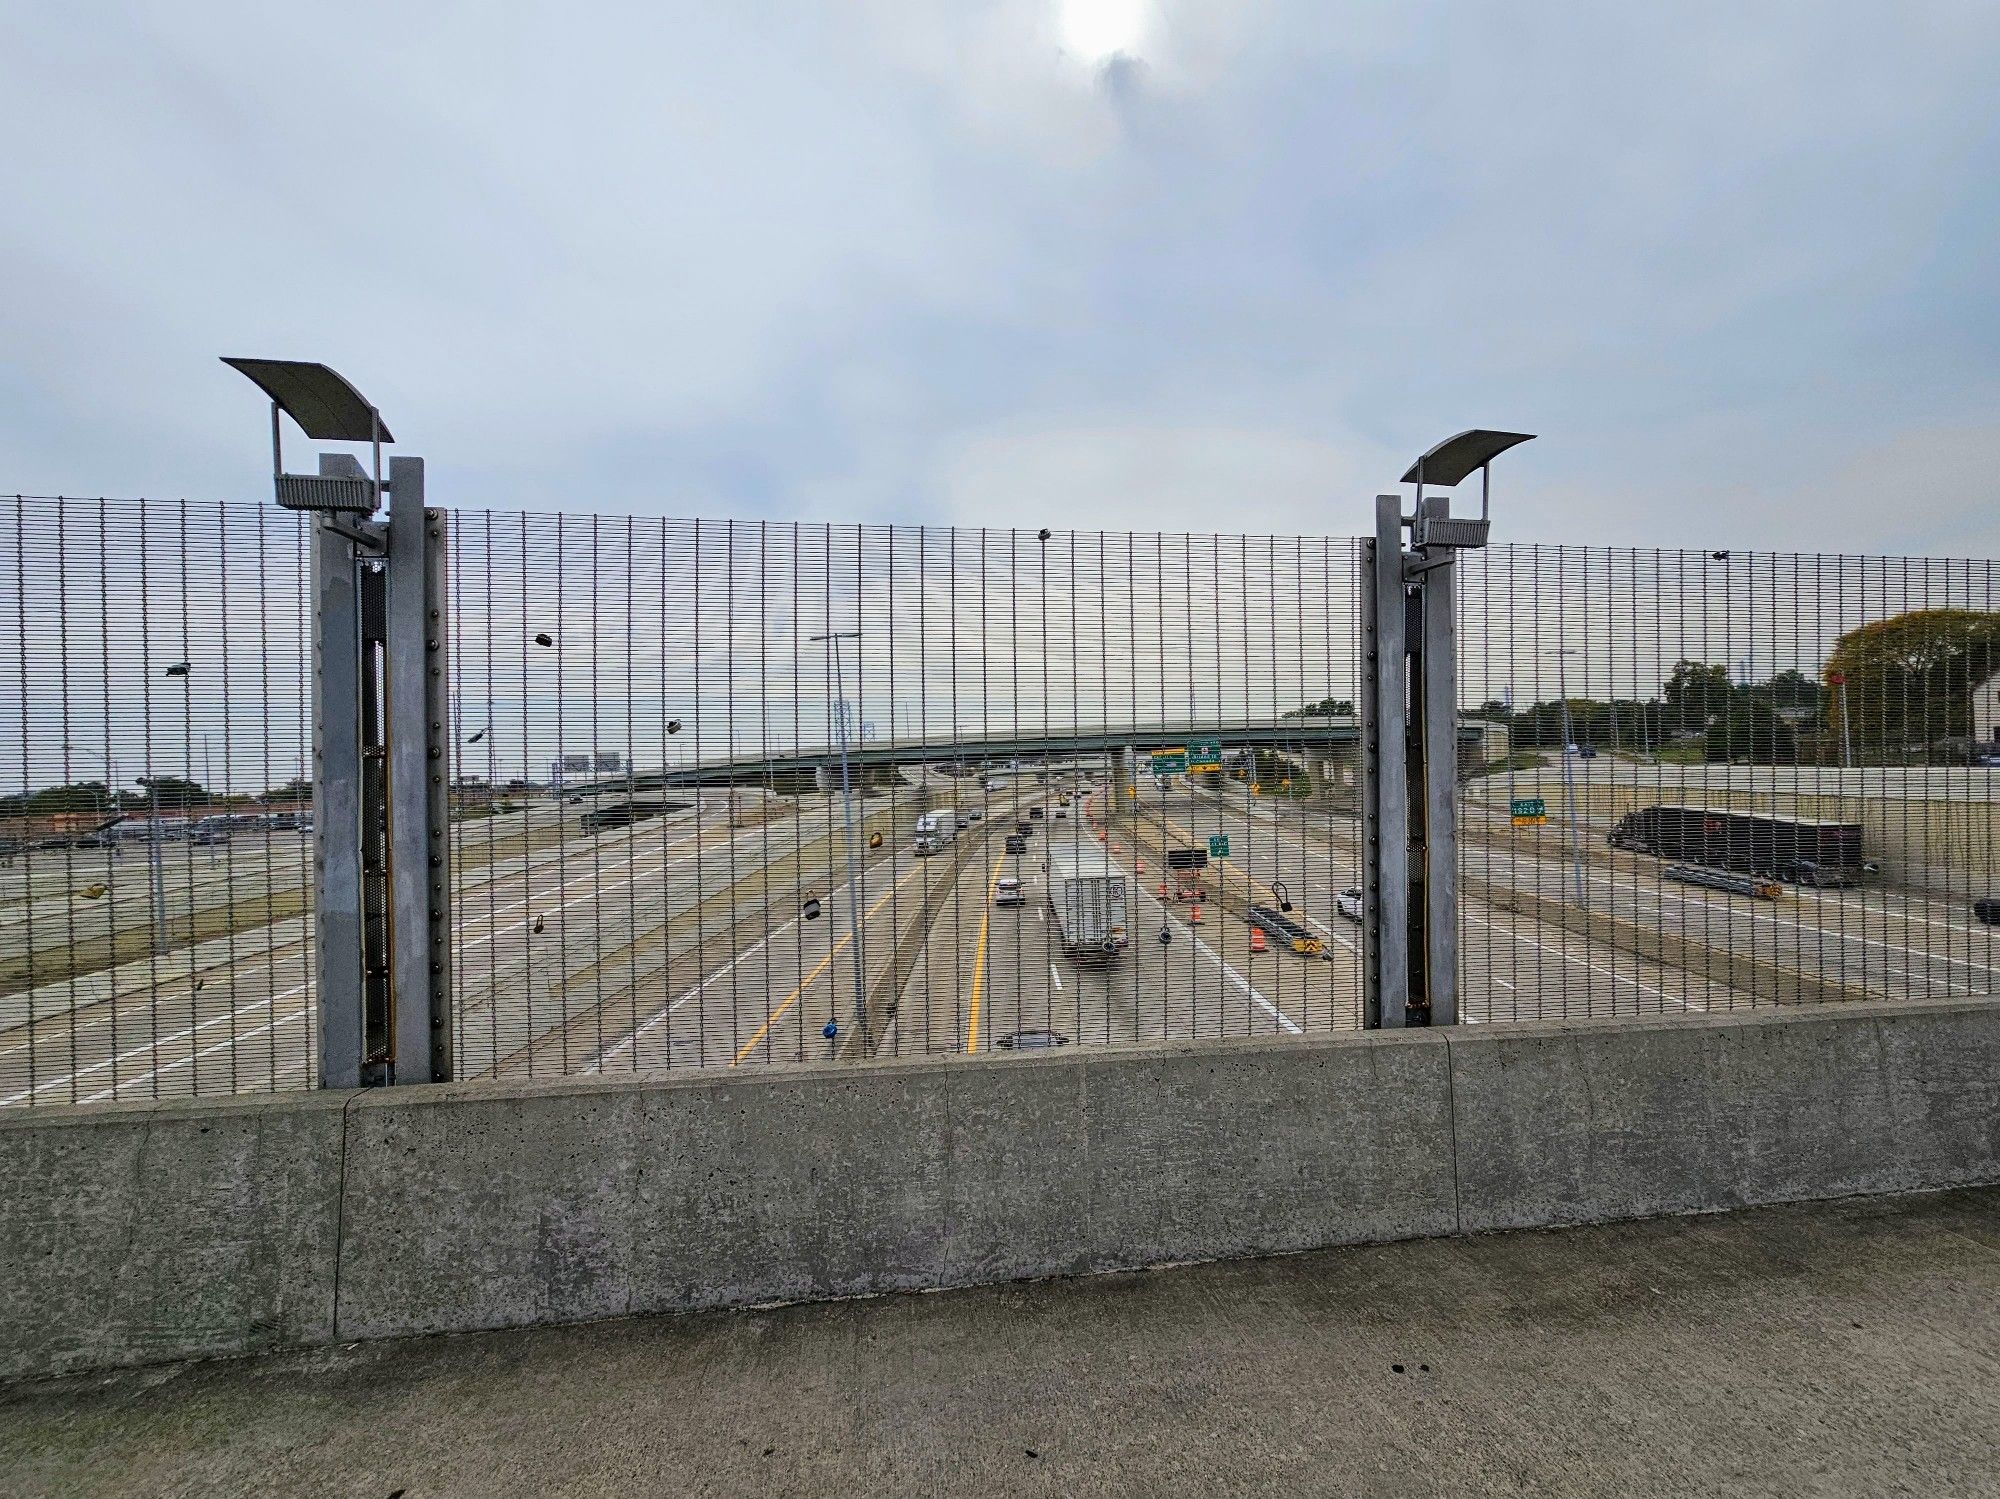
1227	265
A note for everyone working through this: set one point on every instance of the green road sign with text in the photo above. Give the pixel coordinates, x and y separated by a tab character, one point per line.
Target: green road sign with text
1168	762
1204	754
1530	806
1218	845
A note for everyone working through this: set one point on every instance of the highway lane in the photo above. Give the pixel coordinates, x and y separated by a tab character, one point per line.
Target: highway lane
253	1029
1510	968
765	992
996	977
221	1026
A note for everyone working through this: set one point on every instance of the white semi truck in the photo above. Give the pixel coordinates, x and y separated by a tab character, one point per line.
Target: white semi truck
1087	893
936	829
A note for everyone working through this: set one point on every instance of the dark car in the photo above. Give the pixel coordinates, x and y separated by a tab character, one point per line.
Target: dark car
1987	911
1034	811
1016	844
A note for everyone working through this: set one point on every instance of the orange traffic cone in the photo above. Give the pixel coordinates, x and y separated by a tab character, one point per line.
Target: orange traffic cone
1163	892
1257	939
1138	866
1194	917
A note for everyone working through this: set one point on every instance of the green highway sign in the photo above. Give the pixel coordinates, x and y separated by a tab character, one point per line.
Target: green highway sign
1169	761
1204	754
1218	845
1530	806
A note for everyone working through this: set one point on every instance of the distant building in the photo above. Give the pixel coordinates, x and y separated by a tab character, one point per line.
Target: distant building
1986	711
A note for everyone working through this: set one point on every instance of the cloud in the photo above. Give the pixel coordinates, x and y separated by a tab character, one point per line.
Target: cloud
891	260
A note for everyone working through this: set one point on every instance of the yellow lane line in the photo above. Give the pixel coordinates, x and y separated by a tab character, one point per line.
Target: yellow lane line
792	998
979	958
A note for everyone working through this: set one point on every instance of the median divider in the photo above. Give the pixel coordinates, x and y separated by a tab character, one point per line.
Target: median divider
885	989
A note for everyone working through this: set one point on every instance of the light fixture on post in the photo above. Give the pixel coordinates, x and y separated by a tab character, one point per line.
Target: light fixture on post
1409	712
381	755
327	409
1447	466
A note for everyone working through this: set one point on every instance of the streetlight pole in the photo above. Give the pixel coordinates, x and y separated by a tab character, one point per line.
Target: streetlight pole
833	638
1839	681
1569	770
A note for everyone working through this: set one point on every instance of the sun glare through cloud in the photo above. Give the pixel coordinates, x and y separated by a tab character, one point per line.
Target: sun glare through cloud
1099	30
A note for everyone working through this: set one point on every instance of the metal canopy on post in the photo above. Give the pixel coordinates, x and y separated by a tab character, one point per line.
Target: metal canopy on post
1409	712
381	757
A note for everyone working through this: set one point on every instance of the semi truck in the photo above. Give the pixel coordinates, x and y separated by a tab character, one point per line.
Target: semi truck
1797	850
936	829
1087	894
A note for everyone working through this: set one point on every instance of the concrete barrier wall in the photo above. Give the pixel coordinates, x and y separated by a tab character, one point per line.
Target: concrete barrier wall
137	1233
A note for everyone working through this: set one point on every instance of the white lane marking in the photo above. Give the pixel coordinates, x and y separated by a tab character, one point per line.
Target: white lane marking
1243	985
272	953
252	1006
1569	957
1056	977
165	1067
1691	902
597	1063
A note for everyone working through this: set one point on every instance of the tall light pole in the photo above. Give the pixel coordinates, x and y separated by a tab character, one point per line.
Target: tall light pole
833	638
1569	770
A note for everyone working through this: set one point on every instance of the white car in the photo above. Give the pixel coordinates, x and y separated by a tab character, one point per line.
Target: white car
1007	892
1348	903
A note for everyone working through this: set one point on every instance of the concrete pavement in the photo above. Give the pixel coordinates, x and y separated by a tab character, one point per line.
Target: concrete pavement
1832	1348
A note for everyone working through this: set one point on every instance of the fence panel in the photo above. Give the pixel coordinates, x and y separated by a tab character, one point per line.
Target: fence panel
653	851
155	804
1777	787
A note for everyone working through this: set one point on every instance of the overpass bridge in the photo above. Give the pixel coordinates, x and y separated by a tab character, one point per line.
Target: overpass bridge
990	746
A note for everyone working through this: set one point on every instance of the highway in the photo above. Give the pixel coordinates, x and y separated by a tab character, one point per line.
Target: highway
683	940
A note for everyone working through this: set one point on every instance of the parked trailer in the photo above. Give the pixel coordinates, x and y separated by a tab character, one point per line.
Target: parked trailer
1798	850
1721	879
1087	894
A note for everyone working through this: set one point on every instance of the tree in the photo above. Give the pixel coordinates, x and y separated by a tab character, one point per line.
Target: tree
1900	685
171	791
1695	692
50	801
1750	729
1326	707
1793	692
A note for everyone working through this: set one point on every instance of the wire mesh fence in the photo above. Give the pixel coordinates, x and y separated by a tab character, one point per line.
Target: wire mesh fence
728	793
1746	778
155	801
658	863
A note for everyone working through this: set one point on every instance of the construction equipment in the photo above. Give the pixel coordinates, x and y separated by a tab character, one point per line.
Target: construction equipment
1738	884
1301	939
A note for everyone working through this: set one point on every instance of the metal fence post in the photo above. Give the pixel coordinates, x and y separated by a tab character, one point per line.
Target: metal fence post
1438	684
418	783
337	901
1385	900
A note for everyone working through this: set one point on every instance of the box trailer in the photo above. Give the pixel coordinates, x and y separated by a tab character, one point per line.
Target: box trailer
1087	893
1783	848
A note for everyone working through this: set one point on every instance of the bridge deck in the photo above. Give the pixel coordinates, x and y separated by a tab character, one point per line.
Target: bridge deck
1834	1348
